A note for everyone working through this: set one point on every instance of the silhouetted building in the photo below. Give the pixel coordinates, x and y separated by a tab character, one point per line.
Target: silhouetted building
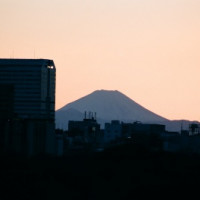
194	129
112	131
171	141
148	135
6	101
85	133
27	106
130	129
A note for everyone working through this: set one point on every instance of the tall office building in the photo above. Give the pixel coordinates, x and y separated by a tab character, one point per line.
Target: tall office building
27	105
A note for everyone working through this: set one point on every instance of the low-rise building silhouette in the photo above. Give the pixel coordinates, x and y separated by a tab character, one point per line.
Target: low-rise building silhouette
112	131
85	133
194	129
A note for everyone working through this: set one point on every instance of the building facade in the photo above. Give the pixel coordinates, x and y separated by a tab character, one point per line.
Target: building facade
112	131
85	133
27	105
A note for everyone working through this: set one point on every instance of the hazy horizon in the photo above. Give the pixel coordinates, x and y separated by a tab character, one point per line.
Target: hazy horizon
146	49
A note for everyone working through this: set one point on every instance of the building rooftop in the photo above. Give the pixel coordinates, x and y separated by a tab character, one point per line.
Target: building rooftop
23	61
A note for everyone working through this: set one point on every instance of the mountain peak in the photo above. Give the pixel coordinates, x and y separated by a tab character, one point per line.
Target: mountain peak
112	104
106	92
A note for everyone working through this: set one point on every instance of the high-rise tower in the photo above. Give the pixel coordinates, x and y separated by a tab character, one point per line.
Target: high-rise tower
27	105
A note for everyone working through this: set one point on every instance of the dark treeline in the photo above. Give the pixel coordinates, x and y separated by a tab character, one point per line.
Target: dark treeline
120	172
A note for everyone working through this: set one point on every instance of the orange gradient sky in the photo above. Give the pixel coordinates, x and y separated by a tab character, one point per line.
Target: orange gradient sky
147	49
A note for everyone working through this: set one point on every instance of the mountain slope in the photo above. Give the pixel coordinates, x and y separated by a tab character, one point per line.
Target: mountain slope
111	105
63	116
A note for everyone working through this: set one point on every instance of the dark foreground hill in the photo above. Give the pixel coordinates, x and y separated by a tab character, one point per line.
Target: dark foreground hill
123	172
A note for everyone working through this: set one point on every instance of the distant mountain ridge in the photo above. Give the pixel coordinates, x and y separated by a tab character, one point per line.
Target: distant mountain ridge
113	105
109	105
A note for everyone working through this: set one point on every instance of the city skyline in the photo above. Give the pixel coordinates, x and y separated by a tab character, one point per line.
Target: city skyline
146	49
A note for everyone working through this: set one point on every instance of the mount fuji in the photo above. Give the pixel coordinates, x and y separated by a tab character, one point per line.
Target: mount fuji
108	105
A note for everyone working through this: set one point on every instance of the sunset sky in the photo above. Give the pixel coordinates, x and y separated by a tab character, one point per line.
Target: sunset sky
147	49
